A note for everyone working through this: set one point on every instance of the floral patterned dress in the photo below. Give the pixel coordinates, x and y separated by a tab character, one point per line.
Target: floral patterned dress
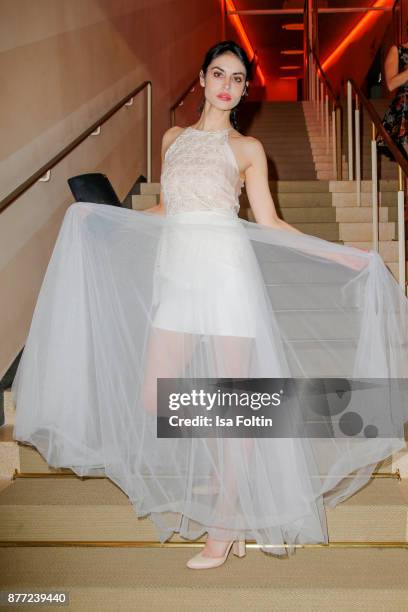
395	120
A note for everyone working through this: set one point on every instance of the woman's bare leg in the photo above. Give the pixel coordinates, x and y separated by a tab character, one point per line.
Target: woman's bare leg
168	354
232	356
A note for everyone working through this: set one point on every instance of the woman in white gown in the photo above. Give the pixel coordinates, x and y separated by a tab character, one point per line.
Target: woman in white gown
189	290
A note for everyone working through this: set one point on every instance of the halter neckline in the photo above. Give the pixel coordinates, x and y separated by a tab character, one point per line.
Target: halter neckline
211	131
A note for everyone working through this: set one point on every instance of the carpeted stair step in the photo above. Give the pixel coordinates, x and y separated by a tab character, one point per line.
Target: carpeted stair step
65	508
157	579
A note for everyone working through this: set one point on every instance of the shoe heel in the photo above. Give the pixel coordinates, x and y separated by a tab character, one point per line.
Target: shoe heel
238	548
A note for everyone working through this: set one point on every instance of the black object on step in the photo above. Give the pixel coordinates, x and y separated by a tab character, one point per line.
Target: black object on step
93	187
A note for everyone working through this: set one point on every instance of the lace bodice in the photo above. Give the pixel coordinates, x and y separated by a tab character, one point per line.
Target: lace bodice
200	172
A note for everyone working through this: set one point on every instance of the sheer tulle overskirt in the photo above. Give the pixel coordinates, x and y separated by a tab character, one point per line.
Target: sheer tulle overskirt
129	297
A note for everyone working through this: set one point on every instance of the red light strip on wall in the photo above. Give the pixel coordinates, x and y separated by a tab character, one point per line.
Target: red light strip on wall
362	26
237	23
293	26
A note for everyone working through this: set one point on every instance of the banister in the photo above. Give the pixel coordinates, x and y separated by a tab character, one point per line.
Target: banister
402	162
180	99
316	93
326	94
398	156
31	180
375	118
329	88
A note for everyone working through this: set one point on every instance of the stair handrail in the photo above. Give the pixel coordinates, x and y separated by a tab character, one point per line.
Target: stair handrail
375	117
335	98
180	100
378	128
43	173
320	92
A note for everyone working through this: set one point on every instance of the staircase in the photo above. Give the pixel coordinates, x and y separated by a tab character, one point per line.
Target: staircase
95	508
387	169
82	535
323	155
355	221
326	209
281	128
355	226
322	149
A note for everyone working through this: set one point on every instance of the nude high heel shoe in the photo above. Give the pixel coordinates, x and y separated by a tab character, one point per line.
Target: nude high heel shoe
201	562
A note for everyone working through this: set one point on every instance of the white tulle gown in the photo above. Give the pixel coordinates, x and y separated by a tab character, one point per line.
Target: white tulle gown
129	297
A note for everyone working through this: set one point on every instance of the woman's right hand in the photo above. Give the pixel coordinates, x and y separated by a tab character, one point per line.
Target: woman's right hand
158	209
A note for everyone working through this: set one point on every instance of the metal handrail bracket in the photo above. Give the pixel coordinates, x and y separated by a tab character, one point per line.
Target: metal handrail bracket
43	174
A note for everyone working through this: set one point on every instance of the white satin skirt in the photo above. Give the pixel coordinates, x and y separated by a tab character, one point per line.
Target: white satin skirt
130	297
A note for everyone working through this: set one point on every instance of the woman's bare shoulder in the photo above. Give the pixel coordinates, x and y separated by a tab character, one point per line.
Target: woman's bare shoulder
170	136
171	133
392	51
246	140
248	150
248	145
174	129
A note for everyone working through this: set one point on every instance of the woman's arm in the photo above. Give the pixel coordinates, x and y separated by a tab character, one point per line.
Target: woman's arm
262	205
257	188
393	78
157	209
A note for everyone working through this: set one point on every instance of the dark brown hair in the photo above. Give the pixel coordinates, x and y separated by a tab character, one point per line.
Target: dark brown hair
219	49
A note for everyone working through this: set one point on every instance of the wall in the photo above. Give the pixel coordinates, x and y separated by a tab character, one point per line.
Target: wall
63	64
358	55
